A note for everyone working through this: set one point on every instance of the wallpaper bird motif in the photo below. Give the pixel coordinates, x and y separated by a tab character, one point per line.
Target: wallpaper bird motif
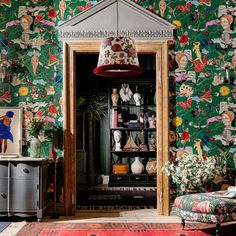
202	69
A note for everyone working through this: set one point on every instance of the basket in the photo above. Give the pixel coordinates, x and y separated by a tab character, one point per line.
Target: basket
151	167
120	168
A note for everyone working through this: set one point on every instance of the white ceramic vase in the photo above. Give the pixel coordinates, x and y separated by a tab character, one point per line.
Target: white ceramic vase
137	166
35	147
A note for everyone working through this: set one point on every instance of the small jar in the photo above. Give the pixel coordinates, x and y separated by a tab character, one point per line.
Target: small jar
151	167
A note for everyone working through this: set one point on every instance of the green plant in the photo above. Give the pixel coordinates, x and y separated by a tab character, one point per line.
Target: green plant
36	127
94	106
191	171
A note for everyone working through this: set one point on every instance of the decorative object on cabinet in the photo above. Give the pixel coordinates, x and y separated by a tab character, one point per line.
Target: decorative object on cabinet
22	178
125	93
117	137
134	124
151	167
35	147
35	129
143	145
137	97
137	166
152	122
137	135
10	131
120	168
130	145
114	97
118	58
147	117
152	143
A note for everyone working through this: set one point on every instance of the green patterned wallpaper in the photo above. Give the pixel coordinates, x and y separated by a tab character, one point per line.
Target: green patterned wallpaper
202	67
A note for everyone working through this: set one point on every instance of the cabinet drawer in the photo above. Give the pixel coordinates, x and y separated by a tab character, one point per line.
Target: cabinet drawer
24	171
3	169
3	194
137	178
119	178
24	195
152	178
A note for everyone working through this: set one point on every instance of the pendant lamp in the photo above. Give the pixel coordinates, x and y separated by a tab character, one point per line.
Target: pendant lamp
118	58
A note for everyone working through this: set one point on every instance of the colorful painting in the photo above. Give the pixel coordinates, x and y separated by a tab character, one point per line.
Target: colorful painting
10	131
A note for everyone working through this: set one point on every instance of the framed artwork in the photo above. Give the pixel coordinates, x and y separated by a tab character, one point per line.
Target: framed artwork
10	131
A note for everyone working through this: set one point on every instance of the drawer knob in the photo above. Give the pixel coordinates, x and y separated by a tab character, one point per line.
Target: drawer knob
4	195
119	178
26	171
137	178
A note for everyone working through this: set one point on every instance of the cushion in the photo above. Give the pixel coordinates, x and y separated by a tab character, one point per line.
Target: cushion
203	207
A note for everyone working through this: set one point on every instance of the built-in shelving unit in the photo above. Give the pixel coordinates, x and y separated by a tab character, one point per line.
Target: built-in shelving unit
131	120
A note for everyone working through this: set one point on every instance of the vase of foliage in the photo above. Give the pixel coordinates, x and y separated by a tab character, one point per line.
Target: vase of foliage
35	128
35	147
190	172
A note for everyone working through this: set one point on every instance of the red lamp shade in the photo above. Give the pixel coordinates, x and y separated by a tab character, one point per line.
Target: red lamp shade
118	58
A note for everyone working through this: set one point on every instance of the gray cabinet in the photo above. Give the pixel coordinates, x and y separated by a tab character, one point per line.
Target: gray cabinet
23	187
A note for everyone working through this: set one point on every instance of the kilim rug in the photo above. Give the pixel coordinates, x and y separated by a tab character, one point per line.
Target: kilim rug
3	225
122	229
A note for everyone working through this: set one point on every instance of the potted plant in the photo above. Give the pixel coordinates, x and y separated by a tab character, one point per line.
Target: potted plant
36	127
94	108
189	172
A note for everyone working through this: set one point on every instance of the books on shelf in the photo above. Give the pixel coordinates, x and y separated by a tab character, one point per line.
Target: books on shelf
114	118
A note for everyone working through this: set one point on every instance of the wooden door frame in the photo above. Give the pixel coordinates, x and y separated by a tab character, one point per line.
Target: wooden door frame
160	48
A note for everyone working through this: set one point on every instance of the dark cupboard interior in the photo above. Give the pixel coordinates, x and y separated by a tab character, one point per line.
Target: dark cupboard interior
94	141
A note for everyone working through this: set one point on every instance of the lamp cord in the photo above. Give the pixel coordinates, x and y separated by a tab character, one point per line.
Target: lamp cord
117	25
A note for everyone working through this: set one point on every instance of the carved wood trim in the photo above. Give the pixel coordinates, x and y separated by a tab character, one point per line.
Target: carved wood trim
69	111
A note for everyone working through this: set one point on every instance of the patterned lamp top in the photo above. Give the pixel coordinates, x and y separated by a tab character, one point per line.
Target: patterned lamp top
118	58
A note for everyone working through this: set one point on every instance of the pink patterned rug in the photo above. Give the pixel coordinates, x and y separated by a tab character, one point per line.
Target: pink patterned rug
122	229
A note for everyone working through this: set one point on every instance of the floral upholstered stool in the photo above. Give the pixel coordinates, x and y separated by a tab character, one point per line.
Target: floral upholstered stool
207	208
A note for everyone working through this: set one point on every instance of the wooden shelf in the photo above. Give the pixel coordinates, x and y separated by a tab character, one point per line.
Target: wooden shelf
129	153
133	105
133	129
131	112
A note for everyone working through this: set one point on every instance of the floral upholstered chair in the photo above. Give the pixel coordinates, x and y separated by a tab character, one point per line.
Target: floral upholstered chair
207	208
